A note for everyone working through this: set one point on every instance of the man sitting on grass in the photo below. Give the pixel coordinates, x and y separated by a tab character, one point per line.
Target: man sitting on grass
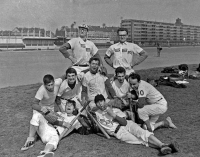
43	102
114	122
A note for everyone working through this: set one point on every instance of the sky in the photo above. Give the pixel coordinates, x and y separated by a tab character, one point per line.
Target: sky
52	14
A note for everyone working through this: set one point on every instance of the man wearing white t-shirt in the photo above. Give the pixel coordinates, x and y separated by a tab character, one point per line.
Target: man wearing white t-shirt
82	50
151	103
125	54
120	84
44	101
69	89
94	83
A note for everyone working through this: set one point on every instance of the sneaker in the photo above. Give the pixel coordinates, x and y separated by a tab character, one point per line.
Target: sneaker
165	150
46	154
174	146
170	123
29	143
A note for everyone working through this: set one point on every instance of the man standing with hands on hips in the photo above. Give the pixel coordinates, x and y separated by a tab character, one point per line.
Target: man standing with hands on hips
123	53
82	50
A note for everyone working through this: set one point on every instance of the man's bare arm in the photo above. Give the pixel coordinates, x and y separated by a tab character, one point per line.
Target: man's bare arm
64	50
108	60
142	56
58	102
37	107
97	55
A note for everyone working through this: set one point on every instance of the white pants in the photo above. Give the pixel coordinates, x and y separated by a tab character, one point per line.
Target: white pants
132	133
79	68
153	111
129	71
47	133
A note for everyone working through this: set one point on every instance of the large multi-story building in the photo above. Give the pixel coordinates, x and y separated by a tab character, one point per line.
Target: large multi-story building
150	32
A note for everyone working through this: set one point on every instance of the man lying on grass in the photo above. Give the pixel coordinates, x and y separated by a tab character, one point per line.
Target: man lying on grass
114	122
49	134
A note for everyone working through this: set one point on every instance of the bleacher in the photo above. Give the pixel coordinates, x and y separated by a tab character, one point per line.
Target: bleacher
11	43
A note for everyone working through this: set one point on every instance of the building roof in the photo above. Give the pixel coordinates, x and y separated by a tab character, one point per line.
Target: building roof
163	23
103	29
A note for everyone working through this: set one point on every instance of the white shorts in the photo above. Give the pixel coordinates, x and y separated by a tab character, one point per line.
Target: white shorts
47	133
152	112
132	133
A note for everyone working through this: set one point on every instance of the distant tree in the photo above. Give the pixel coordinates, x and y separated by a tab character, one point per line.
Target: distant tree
104	25
73	24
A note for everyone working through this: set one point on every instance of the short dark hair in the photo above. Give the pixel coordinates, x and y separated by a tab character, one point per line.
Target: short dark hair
48	79
135	76
94	59
72	102
71	70
120	70
99	97
122	29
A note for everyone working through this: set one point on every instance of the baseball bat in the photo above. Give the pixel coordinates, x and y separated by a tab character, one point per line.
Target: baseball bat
100	127
131	110
67	130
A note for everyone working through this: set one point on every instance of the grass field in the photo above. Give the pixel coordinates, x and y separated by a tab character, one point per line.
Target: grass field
183	108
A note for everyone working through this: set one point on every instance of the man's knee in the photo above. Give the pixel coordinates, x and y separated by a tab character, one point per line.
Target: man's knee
35	118
54	142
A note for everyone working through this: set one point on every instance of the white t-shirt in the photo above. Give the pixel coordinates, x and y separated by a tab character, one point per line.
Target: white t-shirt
120	89
151	93
66	92
106	121
95	84
48	98
123	54
82	50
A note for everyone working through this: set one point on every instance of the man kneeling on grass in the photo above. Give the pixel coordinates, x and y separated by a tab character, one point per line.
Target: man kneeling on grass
49	134
114	122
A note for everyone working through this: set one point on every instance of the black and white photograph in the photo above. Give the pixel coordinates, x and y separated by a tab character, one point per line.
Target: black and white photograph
100	78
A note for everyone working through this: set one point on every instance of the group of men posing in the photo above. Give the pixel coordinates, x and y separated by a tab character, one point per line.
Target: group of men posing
85	81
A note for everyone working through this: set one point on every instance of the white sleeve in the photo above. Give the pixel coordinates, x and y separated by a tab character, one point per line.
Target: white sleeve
84	81
62	89
72	42
137	49
109	52
40	93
